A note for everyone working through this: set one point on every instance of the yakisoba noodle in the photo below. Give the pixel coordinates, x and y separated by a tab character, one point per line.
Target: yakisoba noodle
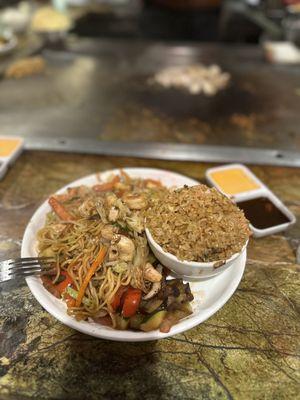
128	283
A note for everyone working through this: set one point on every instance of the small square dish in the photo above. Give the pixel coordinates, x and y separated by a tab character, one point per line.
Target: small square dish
10	148
264	210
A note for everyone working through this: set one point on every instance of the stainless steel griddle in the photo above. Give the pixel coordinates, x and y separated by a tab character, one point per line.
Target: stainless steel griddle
95	96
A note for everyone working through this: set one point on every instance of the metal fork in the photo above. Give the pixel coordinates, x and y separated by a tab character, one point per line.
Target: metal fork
23	267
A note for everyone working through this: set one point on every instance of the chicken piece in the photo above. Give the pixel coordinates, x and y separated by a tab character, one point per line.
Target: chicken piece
113	214
110	200
135	201
87	208
108	232
126	248
151	274
156	287
122	249
113	253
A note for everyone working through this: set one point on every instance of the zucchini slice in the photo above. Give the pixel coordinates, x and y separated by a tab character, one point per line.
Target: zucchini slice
154	321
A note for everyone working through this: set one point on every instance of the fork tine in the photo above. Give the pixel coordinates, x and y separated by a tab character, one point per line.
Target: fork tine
30	263
10	269
26	263
24	274
28	268
23	270
32	259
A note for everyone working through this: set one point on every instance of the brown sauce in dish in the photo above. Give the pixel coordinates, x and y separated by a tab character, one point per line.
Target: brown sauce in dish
262	213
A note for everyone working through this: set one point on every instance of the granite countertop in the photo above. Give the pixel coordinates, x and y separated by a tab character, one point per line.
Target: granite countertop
249	349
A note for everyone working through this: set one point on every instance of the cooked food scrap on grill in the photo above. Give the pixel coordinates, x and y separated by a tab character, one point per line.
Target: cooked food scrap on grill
25	67
48	19
194	78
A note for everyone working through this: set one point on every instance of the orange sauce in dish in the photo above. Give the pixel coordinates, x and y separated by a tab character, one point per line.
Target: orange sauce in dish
8	146
234	180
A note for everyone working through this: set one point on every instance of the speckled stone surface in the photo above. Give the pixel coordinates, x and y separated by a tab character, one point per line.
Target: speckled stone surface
250	349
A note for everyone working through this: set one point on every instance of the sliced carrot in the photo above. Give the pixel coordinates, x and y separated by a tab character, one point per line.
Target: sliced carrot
105	187
59	209
69	300
90	273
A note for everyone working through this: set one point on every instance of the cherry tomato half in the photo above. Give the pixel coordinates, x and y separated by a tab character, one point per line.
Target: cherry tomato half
116	301
132	299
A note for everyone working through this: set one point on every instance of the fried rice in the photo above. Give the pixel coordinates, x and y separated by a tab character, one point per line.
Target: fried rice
198	224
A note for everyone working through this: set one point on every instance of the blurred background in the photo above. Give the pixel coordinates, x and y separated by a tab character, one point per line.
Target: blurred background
88	75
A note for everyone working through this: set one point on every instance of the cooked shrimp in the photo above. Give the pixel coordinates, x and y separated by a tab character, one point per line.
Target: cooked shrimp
59	209
71	192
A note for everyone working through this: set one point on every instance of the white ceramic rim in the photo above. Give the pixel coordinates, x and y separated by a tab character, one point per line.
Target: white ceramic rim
12	42
54	306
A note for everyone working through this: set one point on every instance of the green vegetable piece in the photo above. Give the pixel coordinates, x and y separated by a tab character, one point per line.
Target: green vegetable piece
120	267
135	321
135	223
122	323
73	293
154	321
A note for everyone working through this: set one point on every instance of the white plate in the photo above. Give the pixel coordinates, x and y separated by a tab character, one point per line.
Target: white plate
210	295
11	43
